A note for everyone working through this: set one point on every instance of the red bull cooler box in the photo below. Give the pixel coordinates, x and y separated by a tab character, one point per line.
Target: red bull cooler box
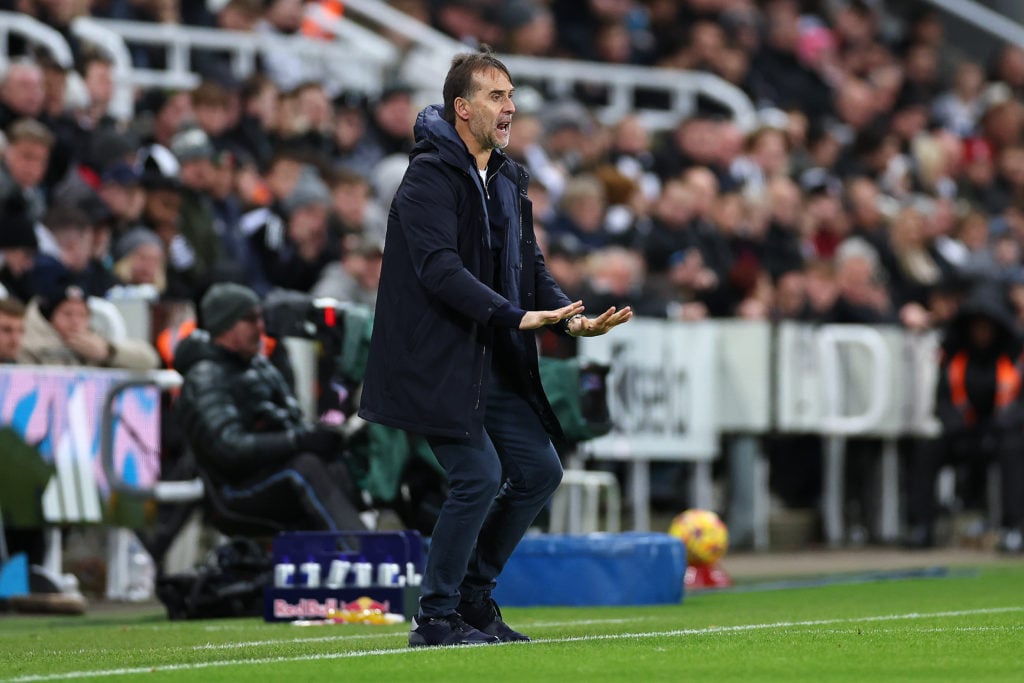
320	574
632	568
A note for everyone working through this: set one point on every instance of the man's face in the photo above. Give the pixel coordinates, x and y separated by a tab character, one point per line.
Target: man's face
244	337
23	90
12	330
99	83
162	206
145	264
124	201
26	160
491	109
70	318
75	248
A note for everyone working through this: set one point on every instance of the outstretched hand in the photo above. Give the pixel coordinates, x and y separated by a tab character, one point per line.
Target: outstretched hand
595	327
534	320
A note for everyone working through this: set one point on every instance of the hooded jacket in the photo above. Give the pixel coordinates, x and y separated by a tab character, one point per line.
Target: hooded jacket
981	386
43	346
239	416
445	305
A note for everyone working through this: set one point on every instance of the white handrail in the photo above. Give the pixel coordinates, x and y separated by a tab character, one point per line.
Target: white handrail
833	421
37	32
984	18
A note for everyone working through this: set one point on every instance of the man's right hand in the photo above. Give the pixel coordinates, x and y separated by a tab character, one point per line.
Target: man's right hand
534	320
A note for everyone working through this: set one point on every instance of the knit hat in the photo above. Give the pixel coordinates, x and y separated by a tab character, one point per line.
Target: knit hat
63	289
224	304
133	239
192	144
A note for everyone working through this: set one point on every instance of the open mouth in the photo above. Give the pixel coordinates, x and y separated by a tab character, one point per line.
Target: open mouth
504	126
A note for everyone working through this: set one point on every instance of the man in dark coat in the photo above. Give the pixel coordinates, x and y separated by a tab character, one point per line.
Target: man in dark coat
980	405
246	429
453	356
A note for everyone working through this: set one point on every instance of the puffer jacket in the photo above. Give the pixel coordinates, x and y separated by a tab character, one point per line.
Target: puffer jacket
239	416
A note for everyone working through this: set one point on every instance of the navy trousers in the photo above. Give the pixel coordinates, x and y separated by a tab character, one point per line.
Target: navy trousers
498	482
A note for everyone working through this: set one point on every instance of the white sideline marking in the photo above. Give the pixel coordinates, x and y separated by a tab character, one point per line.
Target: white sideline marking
391	634
104	673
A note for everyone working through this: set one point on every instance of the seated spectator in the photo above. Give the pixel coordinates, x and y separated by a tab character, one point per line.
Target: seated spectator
57	332
246	428
979	405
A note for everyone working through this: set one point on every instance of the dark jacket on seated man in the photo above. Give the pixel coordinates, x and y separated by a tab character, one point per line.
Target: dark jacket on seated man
246	428
980	405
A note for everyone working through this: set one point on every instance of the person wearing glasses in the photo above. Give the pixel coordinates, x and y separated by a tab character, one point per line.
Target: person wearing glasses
244	424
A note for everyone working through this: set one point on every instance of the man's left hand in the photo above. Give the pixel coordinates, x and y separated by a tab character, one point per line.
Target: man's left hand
595	327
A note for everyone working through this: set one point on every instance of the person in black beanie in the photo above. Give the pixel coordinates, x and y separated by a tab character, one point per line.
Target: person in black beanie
246	427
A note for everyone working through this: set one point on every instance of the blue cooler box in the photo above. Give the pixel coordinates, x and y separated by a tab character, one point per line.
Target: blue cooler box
632	568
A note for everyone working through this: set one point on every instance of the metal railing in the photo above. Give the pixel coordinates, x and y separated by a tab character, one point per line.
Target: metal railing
428	63
35	32
987	20
361	60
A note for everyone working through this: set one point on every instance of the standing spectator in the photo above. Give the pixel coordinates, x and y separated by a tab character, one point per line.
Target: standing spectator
978	402
57	332
260	457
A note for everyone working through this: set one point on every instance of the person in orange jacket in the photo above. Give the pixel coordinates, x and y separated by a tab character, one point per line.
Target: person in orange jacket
980	406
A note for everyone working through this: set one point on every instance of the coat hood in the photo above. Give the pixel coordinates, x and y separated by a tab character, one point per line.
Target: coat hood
432	132
986	300
192	349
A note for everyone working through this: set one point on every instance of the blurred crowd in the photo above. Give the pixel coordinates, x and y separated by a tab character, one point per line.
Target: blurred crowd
884	178
887	170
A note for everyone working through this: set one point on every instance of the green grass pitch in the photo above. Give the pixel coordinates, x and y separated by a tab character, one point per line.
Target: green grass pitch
968	627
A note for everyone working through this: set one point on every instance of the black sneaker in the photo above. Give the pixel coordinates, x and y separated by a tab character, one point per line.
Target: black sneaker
445	631
486	617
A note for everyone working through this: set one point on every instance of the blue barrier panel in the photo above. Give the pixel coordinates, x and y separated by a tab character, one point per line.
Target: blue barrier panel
632	568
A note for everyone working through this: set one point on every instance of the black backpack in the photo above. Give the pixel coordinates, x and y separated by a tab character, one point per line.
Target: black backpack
229	584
